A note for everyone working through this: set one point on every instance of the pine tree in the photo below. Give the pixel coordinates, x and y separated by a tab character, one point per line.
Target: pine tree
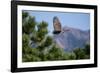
37	33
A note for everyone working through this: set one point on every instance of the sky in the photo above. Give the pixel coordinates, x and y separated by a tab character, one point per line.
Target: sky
70	19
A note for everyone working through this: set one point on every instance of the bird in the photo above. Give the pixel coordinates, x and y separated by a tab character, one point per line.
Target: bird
57	26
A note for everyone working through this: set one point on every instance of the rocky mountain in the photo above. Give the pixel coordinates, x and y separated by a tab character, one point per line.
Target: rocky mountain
71	38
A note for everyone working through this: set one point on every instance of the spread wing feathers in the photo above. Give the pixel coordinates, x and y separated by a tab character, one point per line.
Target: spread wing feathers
56	24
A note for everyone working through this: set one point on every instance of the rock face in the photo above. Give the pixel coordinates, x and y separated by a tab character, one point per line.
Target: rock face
72	38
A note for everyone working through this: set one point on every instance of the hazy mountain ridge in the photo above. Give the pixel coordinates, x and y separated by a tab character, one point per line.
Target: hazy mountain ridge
74	38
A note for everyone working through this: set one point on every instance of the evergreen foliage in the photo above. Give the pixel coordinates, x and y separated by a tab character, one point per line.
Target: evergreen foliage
44	49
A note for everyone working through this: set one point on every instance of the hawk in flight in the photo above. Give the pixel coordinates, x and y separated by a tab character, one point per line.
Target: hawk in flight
57	26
